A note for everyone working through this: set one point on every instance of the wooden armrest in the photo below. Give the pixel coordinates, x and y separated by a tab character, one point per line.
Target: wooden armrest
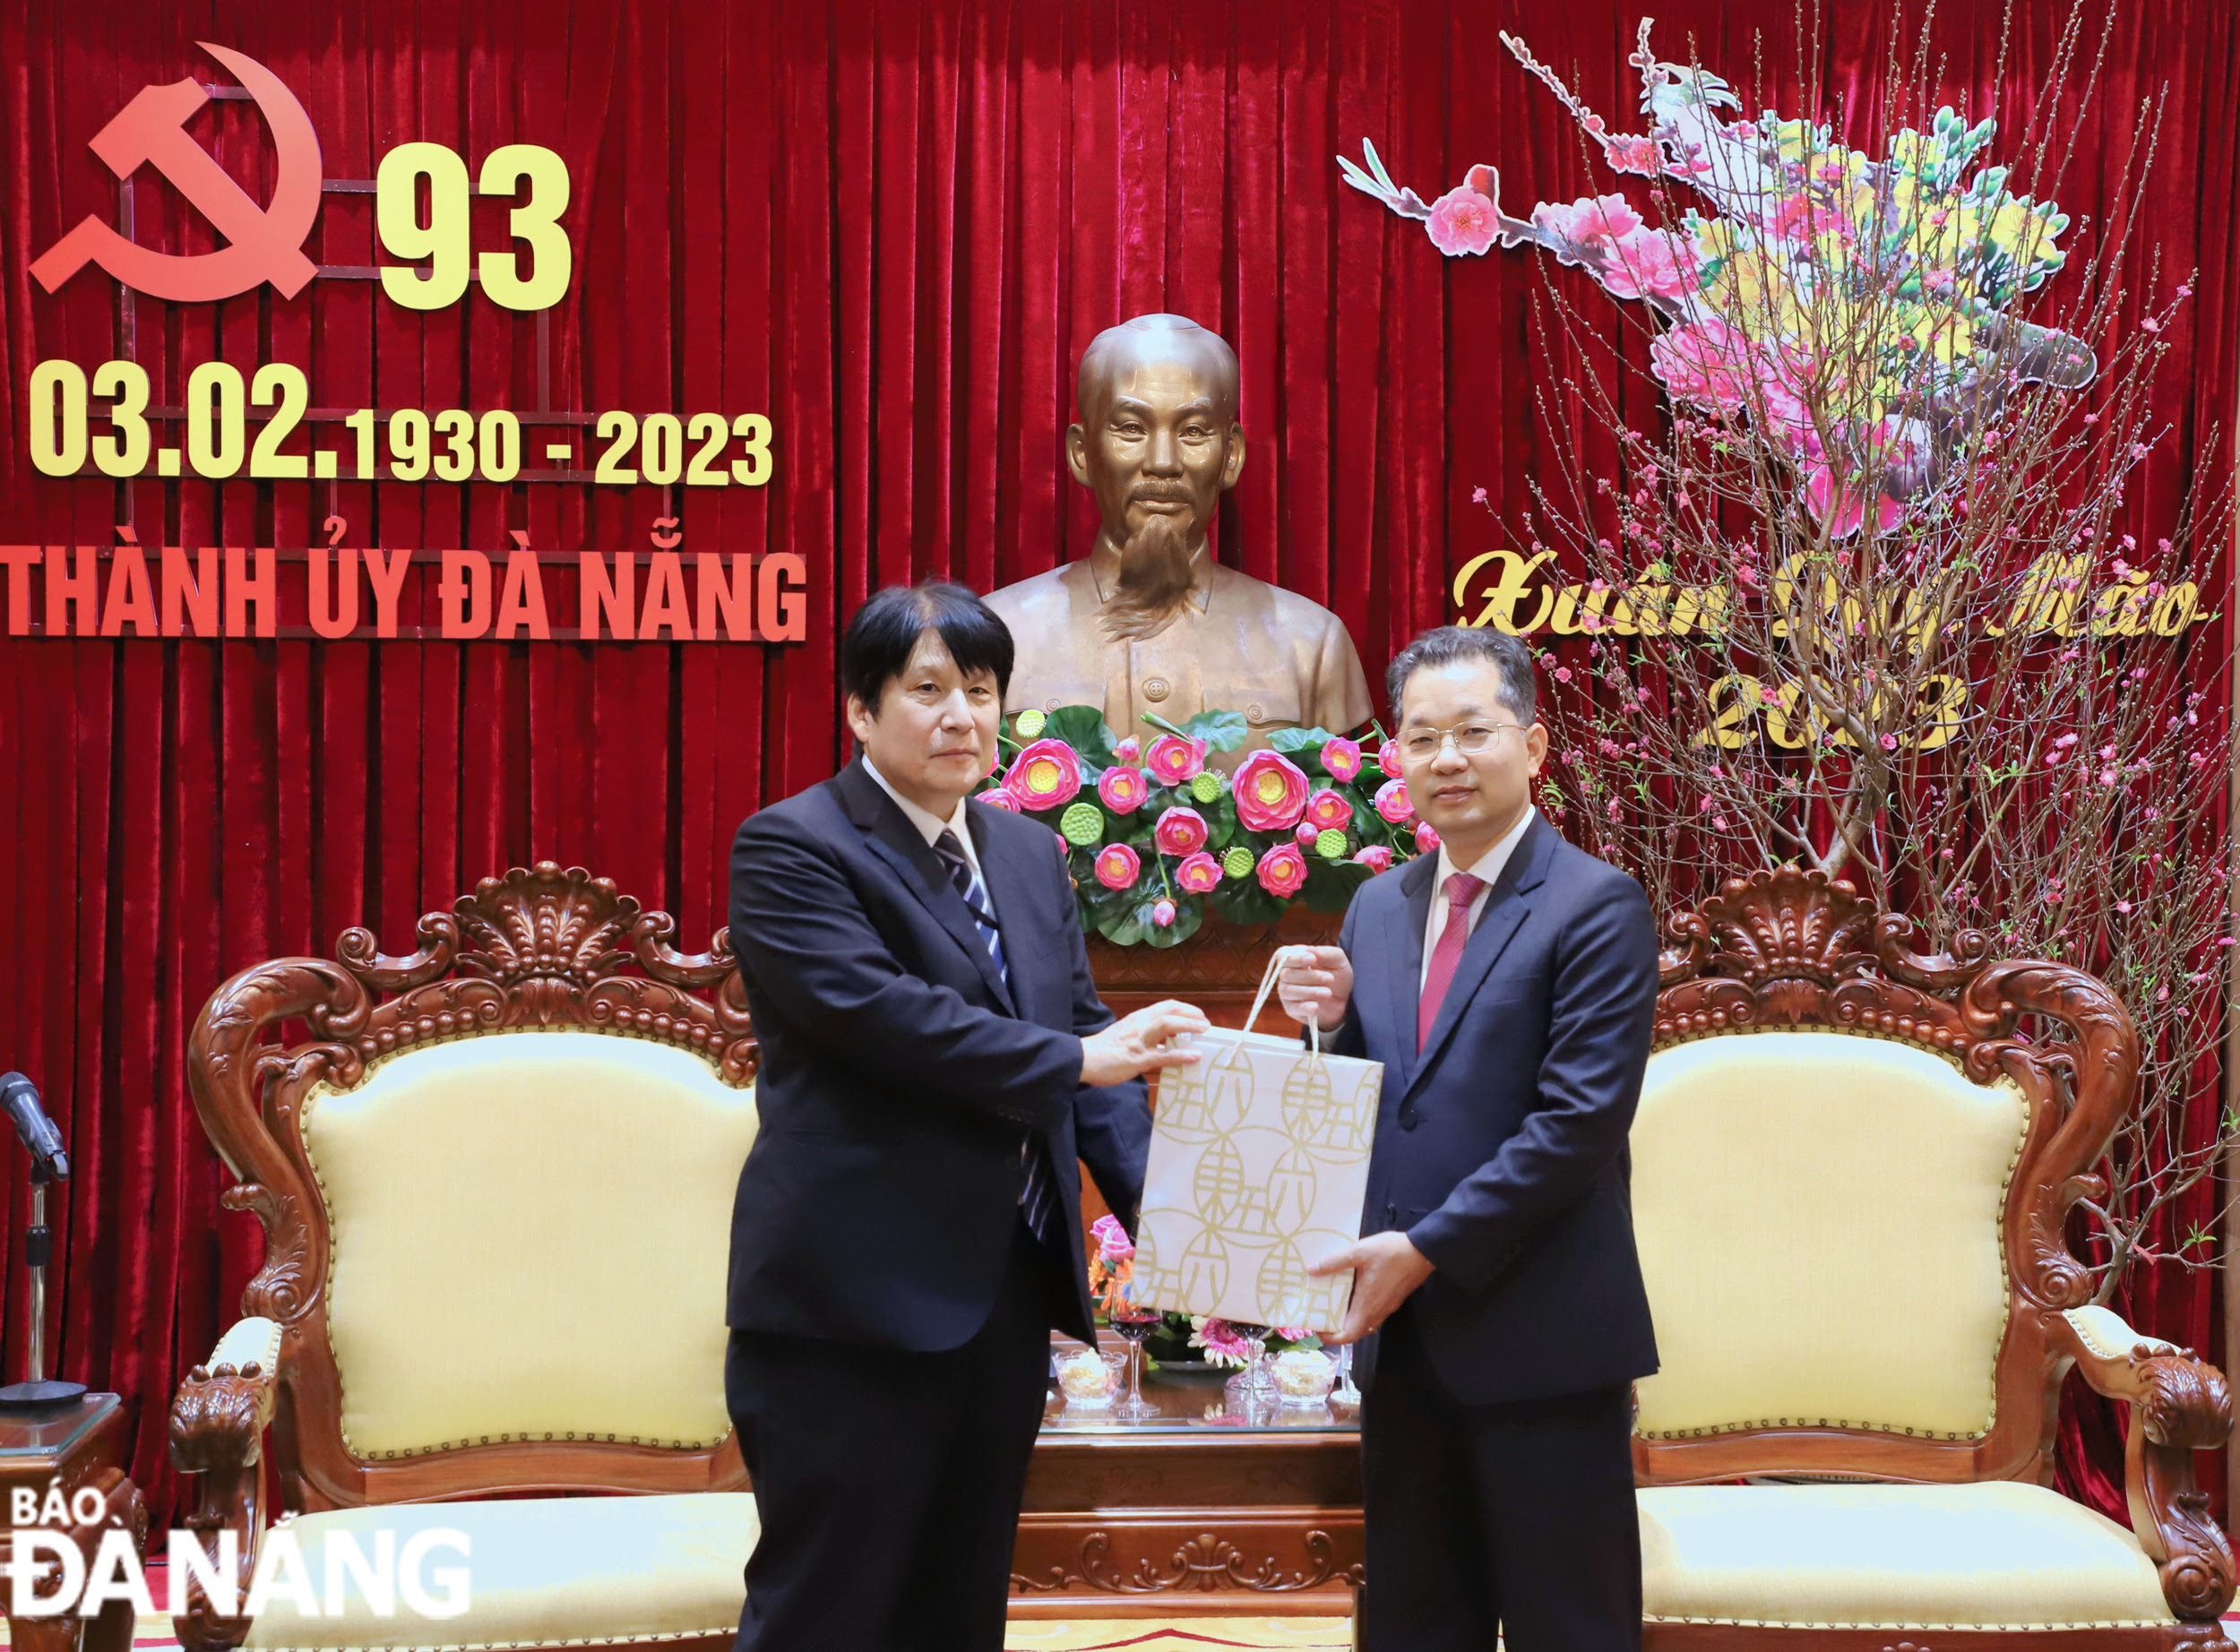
218	1423
2179	1405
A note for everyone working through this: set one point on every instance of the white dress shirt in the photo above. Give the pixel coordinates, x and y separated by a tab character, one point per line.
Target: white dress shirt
1487	869
930	826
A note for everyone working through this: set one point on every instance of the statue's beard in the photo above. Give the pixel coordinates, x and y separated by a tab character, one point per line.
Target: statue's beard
1155	580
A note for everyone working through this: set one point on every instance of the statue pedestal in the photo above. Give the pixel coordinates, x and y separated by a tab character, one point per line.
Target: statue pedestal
1218	968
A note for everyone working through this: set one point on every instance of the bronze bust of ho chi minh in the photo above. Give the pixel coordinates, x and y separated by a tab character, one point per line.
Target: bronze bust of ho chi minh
1147	621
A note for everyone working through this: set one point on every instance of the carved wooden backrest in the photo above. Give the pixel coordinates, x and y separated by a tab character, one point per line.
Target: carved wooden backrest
494	1183
1852	1166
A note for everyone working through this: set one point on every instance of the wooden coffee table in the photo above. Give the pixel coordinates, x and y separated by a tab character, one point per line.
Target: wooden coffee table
1197	1511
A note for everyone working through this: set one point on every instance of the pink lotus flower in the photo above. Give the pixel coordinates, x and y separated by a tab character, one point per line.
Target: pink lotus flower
1176	760
1270	792
1065	847
1198	874
997	798
1645	264
1113	1243
1340	758
1587	222
1128	750
1163	913
1388	758
1180	831
1638	156
1124	790
1392	800
1462	221
1282	871
1426	839
1117	866
1375	856
1043	776
1306	831
1329	811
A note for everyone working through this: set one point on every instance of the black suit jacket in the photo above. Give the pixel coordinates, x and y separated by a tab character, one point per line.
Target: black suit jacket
1501	1149
900	1075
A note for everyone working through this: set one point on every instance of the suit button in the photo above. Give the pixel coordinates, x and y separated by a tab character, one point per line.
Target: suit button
1156	688
1391	1213
1411	1121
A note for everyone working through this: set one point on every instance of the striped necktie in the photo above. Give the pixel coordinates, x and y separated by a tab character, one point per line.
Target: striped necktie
1038	1196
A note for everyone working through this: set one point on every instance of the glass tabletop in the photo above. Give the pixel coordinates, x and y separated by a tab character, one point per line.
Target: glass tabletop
52	1430
1183	1401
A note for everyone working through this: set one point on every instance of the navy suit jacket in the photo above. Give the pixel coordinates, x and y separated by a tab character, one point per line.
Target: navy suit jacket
900	1075
1501	1149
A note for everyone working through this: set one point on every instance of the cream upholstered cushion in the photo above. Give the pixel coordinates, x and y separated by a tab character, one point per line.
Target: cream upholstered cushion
1993	1554
529	1234
1819	1219
248	1342
539	1573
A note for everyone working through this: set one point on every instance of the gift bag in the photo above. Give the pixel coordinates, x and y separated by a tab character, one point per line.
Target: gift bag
1259	1163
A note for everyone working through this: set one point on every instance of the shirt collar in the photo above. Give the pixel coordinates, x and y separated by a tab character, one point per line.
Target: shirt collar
929	825
1489	865
1104	568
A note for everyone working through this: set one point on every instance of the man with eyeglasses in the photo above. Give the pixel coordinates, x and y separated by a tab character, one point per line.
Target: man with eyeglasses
1508	984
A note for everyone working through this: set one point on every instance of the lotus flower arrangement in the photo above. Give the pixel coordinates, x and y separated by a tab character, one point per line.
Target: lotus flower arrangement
1154	836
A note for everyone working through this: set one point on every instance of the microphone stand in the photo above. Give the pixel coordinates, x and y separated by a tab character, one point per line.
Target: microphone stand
39	1394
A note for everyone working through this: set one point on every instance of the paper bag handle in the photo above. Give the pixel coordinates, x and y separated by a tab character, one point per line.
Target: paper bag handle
1267	985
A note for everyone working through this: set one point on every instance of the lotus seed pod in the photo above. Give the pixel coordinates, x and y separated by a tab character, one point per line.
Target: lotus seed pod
1029	723
1082	823
1238	861
1330	845
1206	788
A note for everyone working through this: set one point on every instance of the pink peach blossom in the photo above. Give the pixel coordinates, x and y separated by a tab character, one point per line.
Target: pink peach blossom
1645	264
1588	221
1462	221
1639	156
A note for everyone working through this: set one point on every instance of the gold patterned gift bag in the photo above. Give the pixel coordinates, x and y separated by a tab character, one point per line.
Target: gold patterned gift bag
1259	1163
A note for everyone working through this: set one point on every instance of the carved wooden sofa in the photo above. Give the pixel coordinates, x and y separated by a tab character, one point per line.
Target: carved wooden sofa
495	1181
1853	1166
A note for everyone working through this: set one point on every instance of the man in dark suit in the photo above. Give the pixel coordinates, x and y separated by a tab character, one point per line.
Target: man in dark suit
1508	984
934	1060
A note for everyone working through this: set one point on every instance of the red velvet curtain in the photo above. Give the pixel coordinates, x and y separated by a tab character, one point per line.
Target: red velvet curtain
892	228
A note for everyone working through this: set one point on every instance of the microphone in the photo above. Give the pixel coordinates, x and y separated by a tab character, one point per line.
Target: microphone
33	1128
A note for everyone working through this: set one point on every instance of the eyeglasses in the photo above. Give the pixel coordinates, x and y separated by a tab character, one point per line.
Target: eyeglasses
1422	745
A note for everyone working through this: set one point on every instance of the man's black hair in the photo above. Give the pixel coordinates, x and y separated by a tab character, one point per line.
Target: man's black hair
881	637
1449	644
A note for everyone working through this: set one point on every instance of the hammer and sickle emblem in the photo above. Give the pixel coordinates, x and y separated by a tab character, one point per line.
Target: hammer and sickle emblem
263	245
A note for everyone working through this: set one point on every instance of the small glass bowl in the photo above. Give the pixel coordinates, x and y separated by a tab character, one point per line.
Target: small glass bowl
1304	1376
1091	1377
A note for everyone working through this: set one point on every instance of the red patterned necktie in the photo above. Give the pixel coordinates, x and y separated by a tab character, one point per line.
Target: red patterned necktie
1462	889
